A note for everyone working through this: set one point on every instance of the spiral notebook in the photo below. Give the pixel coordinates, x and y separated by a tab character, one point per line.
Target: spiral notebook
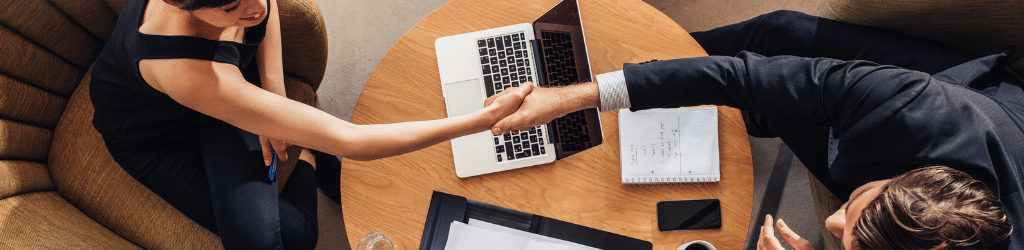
661	146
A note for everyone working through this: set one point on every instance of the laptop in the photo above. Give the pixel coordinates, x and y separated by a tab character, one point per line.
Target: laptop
476	65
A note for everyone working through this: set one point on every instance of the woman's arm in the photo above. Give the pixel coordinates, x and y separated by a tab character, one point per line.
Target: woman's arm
271	68
218	90
269	56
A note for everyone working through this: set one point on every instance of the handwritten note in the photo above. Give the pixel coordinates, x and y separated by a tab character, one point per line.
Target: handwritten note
661	149
669	145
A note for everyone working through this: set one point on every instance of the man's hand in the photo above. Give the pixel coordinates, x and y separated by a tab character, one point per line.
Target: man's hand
767	240
543	105
268	144
507	102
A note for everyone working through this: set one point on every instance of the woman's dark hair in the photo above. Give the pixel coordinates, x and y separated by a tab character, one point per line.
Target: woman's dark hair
199	4
934	207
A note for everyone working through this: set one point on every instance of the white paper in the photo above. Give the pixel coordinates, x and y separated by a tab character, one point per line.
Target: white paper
483	235
669	145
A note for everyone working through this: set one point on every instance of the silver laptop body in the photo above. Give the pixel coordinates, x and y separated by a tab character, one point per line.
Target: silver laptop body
479	64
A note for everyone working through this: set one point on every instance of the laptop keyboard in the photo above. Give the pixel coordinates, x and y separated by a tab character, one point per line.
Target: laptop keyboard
574	136
561	70
505	63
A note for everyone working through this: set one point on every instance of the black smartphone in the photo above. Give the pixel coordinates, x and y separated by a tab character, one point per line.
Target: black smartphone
689	214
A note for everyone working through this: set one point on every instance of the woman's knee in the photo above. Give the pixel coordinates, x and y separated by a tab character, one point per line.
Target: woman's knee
300	234
293	234
782	21
251	240
782	17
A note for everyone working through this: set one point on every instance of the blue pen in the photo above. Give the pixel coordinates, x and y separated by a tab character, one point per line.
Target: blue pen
272	173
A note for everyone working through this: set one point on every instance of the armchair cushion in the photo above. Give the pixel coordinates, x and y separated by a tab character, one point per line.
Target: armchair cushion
95	16
44	220
304	43
982	27
23	142
26	104
86	175
24	60
47	20
23	177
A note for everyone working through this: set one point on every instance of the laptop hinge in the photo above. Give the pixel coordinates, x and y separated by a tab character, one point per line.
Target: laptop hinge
538	60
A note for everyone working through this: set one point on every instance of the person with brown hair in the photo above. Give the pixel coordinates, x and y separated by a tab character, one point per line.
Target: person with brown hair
865	110
935	207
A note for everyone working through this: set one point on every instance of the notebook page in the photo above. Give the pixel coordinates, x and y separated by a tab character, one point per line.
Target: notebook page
669	145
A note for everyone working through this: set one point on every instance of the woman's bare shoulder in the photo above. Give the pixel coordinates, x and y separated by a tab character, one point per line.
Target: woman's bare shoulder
166	75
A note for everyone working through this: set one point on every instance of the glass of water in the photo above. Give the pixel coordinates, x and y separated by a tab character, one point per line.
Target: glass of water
376	241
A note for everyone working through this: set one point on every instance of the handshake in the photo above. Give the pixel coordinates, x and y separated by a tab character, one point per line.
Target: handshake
523	107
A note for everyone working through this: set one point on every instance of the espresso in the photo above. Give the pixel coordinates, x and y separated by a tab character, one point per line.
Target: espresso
696	247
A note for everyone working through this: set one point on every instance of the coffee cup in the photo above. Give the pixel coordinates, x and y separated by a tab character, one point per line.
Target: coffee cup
696	245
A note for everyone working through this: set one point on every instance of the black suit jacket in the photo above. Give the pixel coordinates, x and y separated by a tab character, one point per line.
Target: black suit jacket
885	120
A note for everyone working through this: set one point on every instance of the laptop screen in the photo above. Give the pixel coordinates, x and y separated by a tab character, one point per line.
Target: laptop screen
566	13
562	60
560	32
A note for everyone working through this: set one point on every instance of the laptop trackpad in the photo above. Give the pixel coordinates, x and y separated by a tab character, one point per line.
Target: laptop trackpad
463	97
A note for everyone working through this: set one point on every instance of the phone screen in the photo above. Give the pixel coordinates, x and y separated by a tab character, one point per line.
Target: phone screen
689	214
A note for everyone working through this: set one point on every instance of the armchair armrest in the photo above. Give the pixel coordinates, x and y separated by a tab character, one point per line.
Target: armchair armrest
981	27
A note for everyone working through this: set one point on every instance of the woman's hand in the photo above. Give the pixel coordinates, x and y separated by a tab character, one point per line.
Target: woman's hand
269	145
545	104
767	240
507	102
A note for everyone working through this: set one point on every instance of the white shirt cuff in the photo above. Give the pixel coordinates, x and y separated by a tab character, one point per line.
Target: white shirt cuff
614	95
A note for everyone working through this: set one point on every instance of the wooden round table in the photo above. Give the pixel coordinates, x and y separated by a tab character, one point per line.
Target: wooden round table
392	195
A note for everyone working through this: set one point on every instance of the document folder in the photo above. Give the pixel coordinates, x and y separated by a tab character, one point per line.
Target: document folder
446	208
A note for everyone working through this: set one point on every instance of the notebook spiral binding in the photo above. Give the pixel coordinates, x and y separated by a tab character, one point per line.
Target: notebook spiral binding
673	180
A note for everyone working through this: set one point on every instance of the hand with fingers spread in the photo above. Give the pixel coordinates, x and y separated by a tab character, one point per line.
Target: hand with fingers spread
767	240
543	105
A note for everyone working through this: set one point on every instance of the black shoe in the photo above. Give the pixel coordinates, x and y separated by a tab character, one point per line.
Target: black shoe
328	175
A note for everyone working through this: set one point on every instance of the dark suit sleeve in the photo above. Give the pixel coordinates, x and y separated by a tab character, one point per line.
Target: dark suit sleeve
819	91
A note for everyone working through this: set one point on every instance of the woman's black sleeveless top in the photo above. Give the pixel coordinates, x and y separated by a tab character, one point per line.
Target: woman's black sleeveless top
131	114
